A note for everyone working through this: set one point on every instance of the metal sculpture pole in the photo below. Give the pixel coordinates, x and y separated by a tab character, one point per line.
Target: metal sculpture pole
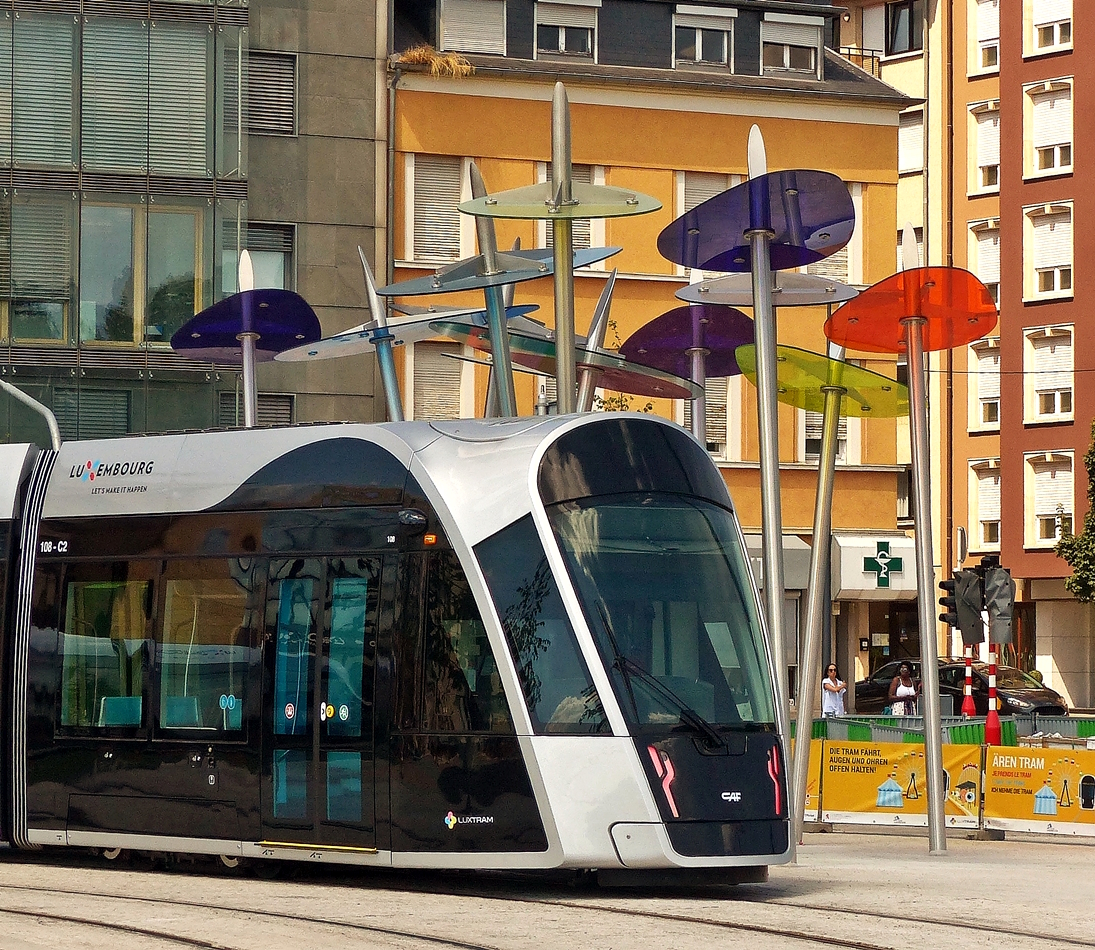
816	602
496	308
42	410
925	570
382	340
563	248
598	326
760	235
698	352
247	338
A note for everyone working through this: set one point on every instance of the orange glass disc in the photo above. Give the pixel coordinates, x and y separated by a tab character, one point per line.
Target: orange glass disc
955	305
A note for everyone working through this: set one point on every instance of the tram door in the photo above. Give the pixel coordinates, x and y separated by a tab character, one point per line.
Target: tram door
319	651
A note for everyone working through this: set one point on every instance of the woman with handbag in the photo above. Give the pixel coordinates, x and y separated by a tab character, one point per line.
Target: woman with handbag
904	692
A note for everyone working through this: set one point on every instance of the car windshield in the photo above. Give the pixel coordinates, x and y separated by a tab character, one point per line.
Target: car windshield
1008	677
665	588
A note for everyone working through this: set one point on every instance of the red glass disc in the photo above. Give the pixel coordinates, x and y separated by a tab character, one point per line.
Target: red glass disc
956	306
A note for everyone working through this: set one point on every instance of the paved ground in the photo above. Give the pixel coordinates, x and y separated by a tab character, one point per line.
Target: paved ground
867	891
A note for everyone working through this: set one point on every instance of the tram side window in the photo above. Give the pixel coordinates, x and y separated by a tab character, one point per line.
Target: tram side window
209	614
105	645
462	691
558	689
292	590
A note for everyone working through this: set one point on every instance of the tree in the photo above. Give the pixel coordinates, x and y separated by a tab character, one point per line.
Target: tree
1078	550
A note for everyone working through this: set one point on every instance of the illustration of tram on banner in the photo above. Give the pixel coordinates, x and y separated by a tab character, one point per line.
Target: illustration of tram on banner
522	643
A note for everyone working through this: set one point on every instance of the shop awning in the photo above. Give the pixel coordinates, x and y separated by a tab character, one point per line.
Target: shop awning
796	560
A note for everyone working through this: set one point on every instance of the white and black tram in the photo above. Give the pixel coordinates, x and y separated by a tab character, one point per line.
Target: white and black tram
528	643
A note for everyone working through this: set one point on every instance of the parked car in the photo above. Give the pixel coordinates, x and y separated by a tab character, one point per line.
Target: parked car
1017	693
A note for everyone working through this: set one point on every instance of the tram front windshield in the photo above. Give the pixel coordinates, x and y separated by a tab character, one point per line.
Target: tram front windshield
665	589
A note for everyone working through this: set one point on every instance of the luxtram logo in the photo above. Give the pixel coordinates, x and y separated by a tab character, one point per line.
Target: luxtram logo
450	821
90	471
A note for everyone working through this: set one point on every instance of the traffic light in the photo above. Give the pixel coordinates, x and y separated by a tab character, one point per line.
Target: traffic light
1000	603
949	602
968	595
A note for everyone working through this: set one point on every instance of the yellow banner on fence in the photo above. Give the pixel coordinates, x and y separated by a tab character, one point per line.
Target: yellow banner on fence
885	783
813	779
1046	790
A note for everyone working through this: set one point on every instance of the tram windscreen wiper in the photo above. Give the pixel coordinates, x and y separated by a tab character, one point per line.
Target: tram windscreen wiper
628	667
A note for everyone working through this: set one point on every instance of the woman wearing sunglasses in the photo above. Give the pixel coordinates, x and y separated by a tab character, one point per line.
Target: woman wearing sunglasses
833	689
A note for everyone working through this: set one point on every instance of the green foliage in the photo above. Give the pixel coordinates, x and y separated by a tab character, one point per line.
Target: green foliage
1078	550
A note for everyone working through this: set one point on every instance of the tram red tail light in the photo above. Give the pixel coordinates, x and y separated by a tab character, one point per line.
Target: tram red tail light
773	774
663	765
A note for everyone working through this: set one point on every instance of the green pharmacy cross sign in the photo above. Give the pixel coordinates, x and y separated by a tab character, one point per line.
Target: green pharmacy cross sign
882	564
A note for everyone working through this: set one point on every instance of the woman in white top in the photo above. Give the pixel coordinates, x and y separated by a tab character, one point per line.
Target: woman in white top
833	689
903	692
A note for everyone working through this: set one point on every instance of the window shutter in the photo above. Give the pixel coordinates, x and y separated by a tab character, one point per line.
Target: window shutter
715	416
179	99
988	20
91	413
474	26
42	60
793	34
42	251
271	93
5	86
1052	487
1053	240
436	195
1052	117
988	137
702	186
724	24
114	130
271	409
815	426
436	381
561	14
988	494
579	226
834	267
988	373
1052	359
1051	11
910	142
988	255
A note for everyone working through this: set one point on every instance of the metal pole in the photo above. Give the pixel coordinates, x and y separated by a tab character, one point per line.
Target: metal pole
925	582
764	318
42	410
382	340
810	666
496	308
598	327
250	385
699	366
563	248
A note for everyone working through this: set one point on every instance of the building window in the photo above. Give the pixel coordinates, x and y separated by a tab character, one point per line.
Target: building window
813	429
271	409
791	44
437	230
567	29
986	56
1048	251
1048	117
910	142
904	27
984	388
436	380
693	189
1048	374
271	93
985	503
474	26
985	254
1049	25
271	247
986	143
1049	494
715	390
585	232
703	36
87	413
919	232
43	63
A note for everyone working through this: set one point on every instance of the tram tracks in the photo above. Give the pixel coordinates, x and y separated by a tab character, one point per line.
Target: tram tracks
810	925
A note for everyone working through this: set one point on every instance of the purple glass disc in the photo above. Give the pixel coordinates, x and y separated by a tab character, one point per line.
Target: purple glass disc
809	212
281	318
666	342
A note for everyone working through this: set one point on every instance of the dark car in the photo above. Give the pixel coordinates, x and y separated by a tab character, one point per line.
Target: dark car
1017	693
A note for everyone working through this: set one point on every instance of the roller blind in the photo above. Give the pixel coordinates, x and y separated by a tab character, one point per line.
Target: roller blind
436	195
1053	240
1052	117
114	126
988	255
579	226
702	186
1052	362
42	248
988	20
715	416
834	267
474	26
1051	11
988	494
910	142
988	373
1052	487
436	381
560	14
988	137
6	21
42	60
179	95
793	34
271	93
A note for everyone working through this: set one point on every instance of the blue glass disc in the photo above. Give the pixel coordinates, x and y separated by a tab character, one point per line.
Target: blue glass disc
809	212
666	341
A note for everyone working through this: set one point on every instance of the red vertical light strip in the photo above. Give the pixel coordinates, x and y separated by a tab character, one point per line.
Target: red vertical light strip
664	767
773	774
